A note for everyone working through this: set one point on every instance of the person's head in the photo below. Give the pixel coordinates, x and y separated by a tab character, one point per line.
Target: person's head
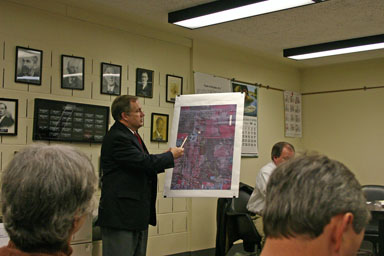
109	75
127	110
46	191
73	70
3	109
309	194
28	64
281	152
144	77
159	124
73	66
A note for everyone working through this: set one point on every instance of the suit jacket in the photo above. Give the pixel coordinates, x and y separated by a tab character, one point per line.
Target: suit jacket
7	122
129	181
146	92
116	89
156	136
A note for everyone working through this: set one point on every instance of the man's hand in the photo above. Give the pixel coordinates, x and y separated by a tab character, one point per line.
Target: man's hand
177	152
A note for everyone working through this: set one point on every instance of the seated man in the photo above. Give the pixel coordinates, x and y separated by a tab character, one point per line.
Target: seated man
314	206
46	193
281	152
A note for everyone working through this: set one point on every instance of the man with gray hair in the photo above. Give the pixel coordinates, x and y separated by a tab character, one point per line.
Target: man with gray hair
46	193
314	206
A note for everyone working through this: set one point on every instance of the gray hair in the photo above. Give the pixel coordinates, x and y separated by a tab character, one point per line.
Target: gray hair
43	190
303	195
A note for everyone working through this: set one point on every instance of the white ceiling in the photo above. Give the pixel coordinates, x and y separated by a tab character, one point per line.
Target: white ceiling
266	35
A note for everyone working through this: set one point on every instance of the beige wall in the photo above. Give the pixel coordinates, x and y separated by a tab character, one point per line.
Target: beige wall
347	126
56	29
226	62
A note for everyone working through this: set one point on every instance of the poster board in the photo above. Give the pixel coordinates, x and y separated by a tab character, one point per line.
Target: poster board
206	83
211	126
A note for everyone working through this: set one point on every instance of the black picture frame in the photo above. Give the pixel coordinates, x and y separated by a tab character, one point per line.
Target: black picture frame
174	87
28	67
144	83
72	72
69	121
159	133
8	116
110	79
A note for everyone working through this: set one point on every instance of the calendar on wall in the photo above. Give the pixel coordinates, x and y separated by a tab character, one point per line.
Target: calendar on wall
292	107
249	147
249	143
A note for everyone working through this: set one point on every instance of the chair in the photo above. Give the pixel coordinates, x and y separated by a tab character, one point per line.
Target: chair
372	193
234	223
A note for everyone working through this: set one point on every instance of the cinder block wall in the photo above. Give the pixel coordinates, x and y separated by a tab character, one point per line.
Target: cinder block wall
57	29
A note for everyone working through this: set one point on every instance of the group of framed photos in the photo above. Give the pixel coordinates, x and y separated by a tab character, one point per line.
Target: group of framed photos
83	122
29	70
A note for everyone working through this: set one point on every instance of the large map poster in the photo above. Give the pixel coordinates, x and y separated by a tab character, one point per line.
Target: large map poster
209	126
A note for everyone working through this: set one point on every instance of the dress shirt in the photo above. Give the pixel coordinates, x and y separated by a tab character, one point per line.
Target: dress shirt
256	202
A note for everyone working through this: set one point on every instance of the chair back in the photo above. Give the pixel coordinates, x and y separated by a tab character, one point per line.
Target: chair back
373	192
239	204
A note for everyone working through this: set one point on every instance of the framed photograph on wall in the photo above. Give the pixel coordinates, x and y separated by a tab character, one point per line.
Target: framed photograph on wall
28	65
159	127
8	116
174	87
110	79
72	72
144	83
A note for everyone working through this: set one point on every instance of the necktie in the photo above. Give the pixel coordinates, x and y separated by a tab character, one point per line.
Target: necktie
138	138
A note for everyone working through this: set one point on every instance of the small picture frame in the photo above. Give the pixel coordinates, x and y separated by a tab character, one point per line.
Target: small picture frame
8	116
28	66
144	83
72	72
110	79
174	87
159	127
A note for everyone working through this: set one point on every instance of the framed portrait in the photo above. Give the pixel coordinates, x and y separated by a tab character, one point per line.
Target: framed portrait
144	83
72	72
174	87
159	127
110	79
8	116
28	65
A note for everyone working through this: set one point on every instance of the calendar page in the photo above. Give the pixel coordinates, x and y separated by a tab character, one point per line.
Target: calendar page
249	143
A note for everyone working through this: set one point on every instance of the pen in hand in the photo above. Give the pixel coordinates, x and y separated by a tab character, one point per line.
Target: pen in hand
182	145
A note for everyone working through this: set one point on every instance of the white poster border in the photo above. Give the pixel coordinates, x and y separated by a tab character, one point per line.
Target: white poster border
205	100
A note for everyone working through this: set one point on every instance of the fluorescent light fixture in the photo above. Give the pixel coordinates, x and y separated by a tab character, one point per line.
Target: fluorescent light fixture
227	10
336	48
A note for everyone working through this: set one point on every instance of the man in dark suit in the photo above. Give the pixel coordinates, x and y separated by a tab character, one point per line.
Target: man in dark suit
144	87
73	78
158	133
129	182
6	119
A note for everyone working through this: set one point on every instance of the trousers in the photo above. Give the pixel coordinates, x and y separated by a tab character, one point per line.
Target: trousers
124	242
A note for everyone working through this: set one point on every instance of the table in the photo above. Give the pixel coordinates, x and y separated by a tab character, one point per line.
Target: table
377	212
